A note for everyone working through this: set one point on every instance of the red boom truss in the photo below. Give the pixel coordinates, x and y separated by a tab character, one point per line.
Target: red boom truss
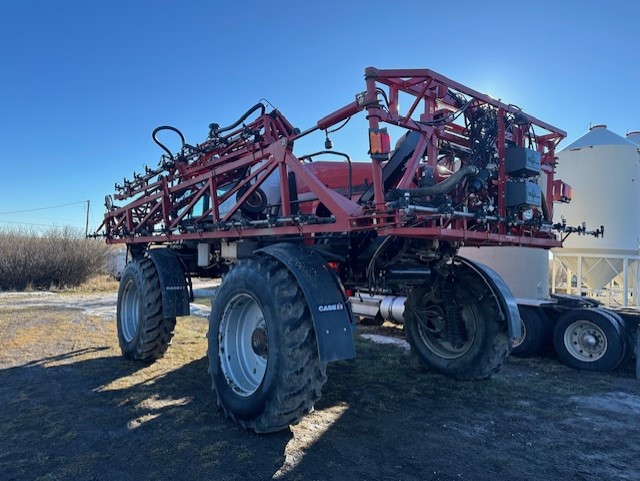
235	162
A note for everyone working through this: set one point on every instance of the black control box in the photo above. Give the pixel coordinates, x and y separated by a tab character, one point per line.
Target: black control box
522	162
523	195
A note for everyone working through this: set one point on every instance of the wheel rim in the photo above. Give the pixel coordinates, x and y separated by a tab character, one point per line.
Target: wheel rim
130	310
431	335
243	345
585	341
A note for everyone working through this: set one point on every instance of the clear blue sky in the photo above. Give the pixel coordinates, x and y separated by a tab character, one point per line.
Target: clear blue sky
83	83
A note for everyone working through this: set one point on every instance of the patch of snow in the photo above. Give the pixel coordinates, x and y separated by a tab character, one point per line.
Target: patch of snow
617	402
28	295
103	305
199	310
378	339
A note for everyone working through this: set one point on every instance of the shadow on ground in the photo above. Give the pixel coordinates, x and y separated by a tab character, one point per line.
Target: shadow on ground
70	420
79	416
536	420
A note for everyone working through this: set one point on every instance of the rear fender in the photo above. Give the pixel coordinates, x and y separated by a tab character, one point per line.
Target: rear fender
329	305
506	301
173	282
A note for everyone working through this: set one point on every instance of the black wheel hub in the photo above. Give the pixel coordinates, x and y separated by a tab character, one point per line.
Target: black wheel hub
259	342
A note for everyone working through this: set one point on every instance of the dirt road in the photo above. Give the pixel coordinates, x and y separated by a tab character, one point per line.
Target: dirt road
73	408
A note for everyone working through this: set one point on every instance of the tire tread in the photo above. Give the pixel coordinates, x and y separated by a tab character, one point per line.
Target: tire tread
156	330
303	374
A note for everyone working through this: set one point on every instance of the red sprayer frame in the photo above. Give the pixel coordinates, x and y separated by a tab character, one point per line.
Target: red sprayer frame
236	164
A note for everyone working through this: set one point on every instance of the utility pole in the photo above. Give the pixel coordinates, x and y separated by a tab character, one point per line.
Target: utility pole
86	225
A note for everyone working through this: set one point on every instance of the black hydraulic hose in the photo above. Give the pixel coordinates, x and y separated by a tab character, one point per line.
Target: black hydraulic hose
160	144
440	188
215	128
545	208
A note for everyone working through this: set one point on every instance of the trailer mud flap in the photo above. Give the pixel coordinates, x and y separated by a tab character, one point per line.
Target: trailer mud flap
173	283
507	302
330	308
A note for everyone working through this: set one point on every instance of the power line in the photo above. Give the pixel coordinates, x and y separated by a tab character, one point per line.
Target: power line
43	208
26	223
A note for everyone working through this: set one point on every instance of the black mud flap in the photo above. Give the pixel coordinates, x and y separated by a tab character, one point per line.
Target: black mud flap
173	283
507	302
330	308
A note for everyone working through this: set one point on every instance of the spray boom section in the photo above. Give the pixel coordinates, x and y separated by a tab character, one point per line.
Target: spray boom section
465	168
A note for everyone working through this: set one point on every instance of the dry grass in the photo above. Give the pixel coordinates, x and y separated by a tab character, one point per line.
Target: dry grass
202	301
60	257
38	333
94	285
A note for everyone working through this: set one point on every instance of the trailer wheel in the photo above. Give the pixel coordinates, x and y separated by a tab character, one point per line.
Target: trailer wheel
536	332
589	339
486	345
263	355
144	334
627	342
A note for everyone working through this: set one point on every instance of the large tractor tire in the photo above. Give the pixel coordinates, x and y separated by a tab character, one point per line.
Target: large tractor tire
144	333
263	354
537	330
483	343
590	339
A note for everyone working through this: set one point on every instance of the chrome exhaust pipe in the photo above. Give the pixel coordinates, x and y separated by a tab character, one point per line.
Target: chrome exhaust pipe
389	308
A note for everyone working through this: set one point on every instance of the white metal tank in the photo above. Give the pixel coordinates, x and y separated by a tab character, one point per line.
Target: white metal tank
524	269
603	169
634	136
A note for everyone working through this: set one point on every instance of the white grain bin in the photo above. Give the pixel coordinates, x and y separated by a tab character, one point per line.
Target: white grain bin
634	136
603	169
